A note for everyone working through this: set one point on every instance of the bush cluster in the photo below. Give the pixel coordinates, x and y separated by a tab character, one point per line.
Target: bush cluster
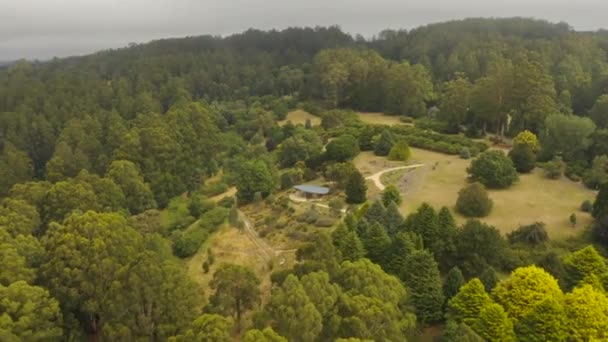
443	143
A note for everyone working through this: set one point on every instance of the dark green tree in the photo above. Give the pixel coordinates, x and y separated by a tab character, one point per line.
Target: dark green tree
236	290
493	169
523	158
376	213
377	242
391	194
254	176
356	189
489	278
384	144
342	148
421	277
454	280
393	220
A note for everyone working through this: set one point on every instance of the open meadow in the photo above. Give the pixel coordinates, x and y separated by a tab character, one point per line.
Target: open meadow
300	116
534	198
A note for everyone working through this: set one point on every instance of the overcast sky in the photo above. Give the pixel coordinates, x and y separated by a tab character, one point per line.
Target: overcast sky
47	28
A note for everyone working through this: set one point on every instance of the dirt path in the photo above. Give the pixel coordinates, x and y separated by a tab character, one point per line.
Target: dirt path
376	176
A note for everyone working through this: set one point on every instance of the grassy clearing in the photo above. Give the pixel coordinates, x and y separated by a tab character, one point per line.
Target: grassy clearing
299	117
367	163
533	198
381	119
394	177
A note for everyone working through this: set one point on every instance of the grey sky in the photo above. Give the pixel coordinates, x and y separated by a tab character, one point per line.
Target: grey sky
46	28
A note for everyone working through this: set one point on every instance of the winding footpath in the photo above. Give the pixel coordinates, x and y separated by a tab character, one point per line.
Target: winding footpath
376	176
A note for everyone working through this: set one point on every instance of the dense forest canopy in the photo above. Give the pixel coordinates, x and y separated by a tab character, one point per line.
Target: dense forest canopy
97	153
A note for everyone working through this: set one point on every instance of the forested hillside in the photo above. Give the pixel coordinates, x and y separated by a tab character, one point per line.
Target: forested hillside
116	169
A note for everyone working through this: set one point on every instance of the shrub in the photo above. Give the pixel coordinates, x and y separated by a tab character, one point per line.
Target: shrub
325	221
493	169
465	153
523	158
309	216
598	174
431	124
533	234
400	151
214	188
587	206
186	244
356	189
473	201
406	119
554	168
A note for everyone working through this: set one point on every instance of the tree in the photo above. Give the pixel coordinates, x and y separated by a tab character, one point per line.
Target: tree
573	220
266	335
340	173
65	197
599	111
402	246
356	189
400	151
493	169
291	312
586	314
15	167
254	176
376	213
546	321
348	243
207	327
467	304
459	332
600	205
532	234
421	276
342	148
303	145
391	194
138	195
18	217
376	242
425	223
523	158
473	201
489	278
479	245
83	240
153	298
29	313
527	138
554	169
598	174
15	265
526	287
325	296
567	135
454	280
583	263
384	144
236	290
493	324
455	102
393	220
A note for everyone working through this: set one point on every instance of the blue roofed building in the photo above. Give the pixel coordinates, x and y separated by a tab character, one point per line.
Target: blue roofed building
311	191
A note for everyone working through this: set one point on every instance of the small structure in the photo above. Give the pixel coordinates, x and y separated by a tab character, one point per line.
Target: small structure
311	191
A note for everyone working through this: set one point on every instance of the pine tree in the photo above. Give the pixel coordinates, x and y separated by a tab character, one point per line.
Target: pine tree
600	206
376	213
493	324
377	243
393	219
356	189
348	243
454	280
446	247
391	194
425	223
466	305
401	248
384	144
489	278
421	276
459	332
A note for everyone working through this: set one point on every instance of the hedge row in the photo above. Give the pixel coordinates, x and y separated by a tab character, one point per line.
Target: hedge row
186	243
444	143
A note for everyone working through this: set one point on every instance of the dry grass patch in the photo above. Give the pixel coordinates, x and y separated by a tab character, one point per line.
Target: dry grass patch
533	198
299	117
381	119
367	163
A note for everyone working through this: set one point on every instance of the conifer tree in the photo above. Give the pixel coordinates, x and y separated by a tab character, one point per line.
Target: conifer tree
377	243
421	276
453	282
466	305
493	324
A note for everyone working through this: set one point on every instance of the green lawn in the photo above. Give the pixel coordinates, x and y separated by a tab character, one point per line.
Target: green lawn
381	119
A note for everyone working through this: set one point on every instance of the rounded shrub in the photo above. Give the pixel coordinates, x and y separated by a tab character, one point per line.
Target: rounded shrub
465	153
493	169
523	158
400	151
587	206
473	201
